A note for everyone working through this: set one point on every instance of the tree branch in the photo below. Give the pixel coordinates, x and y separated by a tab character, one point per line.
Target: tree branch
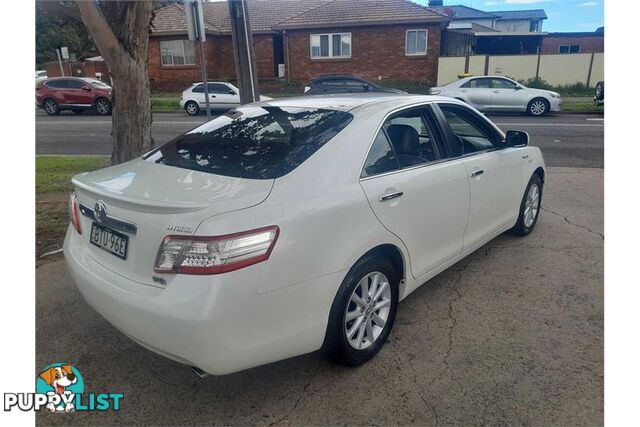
58	8
102	34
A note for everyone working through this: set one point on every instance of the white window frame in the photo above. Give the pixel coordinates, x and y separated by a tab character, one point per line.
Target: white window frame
330	36
568	46
426	41
184	54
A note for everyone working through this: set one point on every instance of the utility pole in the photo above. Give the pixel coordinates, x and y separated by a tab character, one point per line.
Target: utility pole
243	51
196	31
60	62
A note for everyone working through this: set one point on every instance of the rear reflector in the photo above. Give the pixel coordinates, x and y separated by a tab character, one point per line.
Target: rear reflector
74	212
215	254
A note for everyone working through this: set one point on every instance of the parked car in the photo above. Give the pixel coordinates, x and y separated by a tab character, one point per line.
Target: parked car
41	73
222	96
288	226
598	99
77	94
500	94
334	84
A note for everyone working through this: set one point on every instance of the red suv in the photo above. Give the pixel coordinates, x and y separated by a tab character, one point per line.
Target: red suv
73	93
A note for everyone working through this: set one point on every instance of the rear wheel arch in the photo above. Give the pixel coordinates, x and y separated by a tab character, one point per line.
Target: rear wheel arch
394	254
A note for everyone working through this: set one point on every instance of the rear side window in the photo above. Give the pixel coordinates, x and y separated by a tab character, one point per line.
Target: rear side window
478	84
381	158
58	84
253	142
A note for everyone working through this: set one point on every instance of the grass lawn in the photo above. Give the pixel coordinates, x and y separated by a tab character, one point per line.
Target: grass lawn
53	185
582	107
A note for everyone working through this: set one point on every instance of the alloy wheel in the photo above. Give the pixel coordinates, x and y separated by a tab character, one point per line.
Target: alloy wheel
531	205
102	106
50	107
538	108
192	108
368	310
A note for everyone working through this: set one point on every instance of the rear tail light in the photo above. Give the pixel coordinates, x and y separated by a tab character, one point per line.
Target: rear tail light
215	254
74	212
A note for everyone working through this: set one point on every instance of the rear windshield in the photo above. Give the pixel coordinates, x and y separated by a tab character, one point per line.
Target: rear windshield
253	142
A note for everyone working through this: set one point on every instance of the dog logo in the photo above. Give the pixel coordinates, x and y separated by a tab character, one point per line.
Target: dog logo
100	211
62	380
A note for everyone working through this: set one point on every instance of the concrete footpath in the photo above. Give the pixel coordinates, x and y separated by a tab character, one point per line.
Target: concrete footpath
512	334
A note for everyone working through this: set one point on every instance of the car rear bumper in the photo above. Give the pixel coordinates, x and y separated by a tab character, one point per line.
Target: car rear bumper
218	323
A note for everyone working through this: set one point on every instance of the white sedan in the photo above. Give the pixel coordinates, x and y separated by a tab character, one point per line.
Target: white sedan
285	227
222	96
500	94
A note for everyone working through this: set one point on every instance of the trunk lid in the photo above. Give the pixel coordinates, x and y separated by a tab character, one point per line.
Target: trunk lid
157	200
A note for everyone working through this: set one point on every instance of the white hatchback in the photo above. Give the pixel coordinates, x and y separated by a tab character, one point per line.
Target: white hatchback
285	227
222	96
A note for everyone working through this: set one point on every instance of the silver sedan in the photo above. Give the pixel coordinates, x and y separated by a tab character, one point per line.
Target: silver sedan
497	93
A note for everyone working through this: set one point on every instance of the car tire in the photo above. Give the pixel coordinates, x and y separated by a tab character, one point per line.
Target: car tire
103	106
600	91
538	107
192	108
51	107
529	207
357	330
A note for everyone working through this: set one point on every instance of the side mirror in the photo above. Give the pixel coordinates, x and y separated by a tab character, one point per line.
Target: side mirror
516	138
366	87
232	92
87	88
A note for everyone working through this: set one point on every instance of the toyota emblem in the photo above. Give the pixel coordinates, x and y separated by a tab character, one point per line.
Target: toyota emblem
100	211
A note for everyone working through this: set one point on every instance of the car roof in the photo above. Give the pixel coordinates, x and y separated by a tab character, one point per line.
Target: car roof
337	77
349	102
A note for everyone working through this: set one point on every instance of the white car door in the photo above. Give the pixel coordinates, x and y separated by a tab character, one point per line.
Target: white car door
476	92
494	173
223	96
507	96
416	196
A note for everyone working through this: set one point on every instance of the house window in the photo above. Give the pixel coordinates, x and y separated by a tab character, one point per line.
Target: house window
333	45
416	42
533	26
569	48
177	52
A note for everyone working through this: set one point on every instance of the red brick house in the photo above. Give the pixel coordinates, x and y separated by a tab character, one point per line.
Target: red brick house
374	39
584	42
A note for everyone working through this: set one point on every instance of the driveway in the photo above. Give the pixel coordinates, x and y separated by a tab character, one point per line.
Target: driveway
513	334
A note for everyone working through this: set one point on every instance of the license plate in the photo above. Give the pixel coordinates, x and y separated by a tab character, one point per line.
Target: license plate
109	240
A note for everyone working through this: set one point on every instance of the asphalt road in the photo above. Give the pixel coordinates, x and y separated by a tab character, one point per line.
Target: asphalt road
573	140
511	335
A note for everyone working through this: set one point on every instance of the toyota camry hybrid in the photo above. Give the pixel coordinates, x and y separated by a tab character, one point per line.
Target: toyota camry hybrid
295	225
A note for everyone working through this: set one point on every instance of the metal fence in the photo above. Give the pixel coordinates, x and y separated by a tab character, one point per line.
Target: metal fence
560	69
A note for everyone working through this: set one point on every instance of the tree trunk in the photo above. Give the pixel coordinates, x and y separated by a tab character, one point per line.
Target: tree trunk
120	30
132	118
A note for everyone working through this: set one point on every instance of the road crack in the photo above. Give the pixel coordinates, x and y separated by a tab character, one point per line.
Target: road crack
566	219
298	399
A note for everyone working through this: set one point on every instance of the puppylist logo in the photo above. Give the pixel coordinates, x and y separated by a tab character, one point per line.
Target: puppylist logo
60	388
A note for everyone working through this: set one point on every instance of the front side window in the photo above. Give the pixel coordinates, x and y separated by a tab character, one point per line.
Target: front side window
470	131
333	45
502	84
253	142
416	42
76	84
177	52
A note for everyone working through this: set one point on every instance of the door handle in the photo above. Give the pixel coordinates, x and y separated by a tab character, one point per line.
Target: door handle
476	173
390	196
211	96
496	91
